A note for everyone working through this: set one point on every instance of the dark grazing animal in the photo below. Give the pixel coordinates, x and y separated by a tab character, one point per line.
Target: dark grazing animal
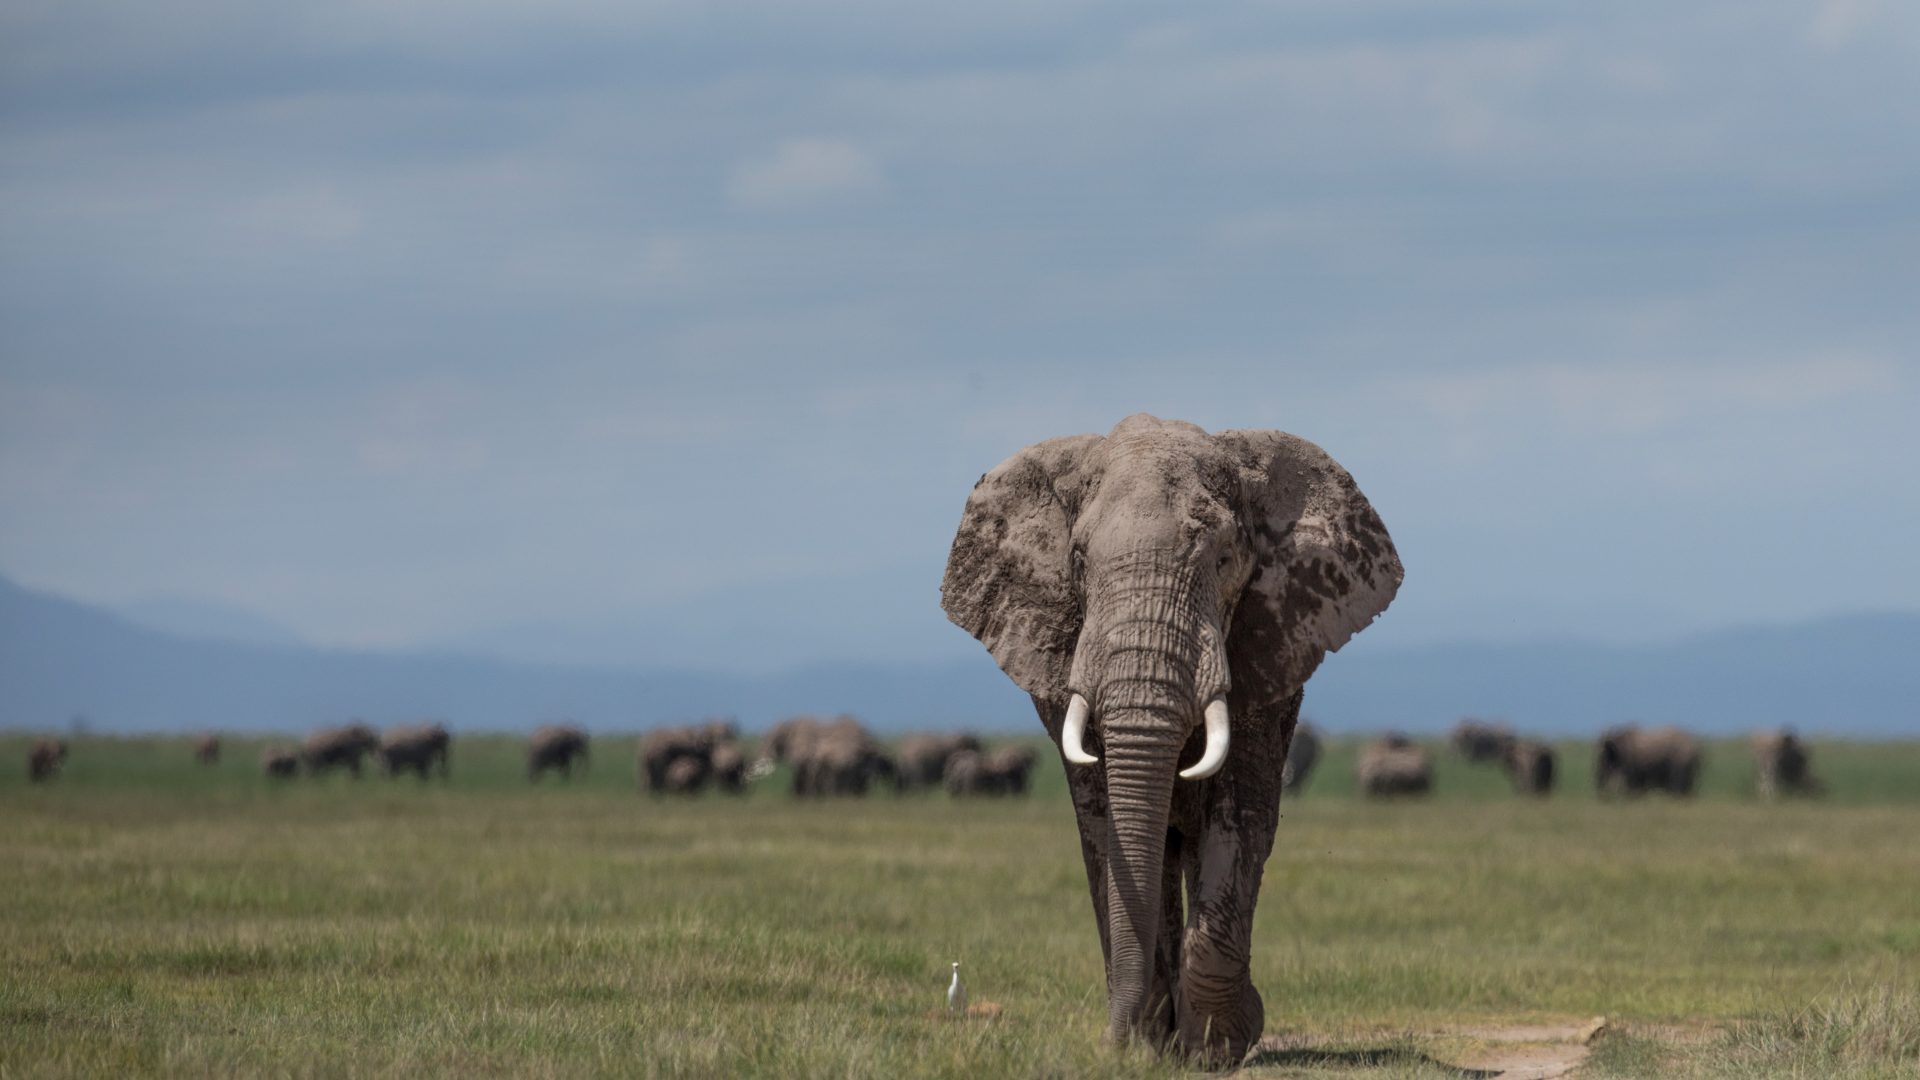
1530	765
280	762
922	759
556	746
1392	765
1782	765
999	772
1632	760
1482	740
45	757
416	748
339	747
684	760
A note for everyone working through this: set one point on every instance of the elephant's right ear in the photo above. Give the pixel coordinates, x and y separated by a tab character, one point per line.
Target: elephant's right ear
1009	579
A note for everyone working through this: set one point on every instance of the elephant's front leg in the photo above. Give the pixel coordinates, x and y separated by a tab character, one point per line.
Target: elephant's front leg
1220	1013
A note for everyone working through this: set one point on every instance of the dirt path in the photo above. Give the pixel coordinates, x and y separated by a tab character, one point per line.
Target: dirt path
1529	1052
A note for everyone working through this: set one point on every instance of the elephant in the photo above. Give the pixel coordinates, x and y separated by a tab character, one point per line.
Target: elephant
556	746
922	759
206	749
792	739
1781	765
966	774
416	748
1632	760
684	776
334	747
1014	765
1302	755
1162	594
1530	765
662	748
842	758
45	757
828	757
1482	740
1002	772
1394	765
707	746
279	762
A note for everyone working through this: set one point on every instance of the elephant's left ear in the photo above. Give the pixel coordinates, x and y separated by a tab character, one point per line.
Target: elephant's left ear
1324	565
1009	575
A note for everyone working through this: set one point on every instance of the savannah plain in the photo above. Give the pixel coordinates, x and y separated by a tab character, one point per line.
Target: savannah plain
165	918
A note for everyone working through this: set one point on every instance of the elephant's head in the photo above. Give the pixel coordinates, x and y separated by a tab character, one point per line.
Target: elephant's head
1153	583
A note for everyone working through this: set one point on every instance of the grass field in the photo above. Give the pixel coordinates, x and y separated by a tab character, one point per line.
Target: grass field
159	917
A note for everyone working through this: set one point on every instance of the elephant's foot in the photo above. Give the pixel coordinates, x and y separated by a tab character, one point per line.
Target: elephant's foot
1220	1014
1218	1035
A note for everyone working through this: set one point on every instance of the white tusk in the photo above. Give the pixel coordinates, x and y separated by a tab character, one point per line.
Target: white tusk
1074	732
1215	755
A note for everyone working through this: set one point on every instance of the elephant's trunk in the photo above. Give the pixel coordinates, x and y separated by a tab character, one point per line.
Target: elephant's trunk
1141	753
1154	648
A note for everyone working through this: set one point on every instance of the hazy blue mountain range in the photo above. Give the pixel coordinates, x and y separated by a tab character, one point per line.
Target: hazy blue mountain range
60	659
187	617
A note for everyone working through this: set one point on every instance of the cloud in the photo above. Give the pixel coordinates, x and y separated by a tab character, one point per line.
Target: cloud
1635	399
1838	23
806	172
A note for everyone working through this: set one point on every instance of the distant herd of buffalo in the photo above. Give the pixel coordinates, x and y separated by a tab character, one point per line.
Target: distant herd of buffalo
839	756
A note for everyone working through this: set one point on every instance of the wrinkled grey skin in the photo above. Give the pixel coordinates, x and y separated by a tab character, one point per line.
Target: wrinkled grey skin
922	759
1150	570
417	748
280	762
1530	766
1303	753
206	749
1392	765
1482	740
556	746
339	747
1782	765
45	757
1632	760
1005	771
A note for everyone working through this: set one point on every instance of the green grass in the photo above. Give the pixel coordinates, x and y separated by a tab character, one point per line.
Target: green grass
158	917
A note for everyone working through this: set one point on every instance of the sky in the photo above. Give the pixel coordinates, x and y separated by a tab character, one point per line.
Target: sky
677	333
